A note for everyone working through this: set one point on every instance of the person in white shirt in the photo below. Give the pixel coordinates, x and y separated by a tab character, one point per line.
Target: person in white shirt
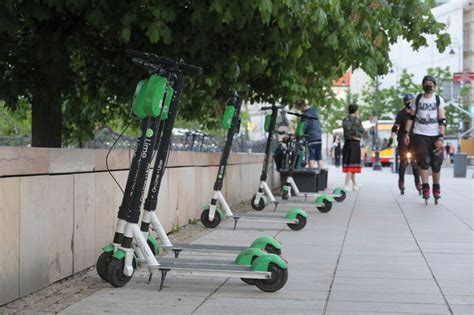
429	119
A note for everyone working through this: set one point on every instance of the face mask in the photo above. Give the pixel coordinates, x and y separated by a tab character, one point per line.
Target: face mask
428	88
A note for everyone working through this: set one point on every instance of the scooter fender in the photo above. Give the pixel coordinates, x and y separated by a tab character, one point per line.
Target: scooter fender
292	214
154	242
247	256
263	241
119	254
261	263
320	199
109	248
219	211
338	191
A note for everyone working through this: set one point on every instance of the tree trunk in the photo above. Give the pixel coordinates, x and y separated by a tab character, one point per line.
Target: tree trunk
46	120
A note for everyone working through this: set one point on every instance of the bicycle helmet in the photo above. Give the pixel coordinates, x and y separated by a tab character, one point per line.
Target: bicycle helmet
428	78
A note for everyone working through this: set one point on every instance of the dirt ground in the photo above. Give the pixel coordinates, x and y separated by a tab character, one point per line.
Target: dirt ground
61	294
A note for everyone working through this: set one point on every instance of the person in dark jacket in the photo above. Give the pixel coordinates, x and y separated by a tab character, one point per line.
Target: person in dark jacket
313	133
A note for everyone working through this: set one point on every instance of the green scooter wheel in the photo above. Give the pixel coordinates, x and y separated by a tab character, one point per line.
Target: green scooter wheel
103	263
115	274
261	204
276	282
208	223
326	207
341	197
297	226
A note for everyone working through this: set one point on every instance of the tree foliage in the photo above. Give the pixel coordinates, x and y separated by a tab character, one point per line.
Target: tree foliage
67	56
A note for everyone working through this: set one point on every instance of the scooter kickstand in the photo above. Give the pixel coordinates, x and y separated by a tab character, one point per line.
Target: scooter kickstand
163	278
276	206
149	278
177	251
236	220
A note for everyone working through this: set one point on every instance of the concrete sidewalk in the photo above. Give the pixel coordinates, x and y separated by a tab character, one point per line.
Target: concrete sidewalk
377	252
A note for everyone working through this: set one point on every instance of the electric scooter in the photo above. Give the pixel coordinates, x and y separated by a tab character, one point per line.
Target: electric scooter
290	188
264	194
268	271
211	217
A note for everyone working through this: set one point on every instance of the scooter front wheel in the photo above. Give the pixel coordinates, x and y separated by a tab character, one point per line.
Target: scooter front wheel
115	274
298	226
326	207
276	282
261	204
207	222
103	263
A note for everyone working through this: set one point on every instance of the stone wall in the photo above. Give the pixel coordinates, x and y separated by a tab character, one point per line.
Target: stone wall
58	206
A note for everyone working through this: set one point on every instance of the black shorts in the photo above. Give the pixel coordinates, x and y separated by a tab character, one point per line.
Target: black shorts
425	154
314	150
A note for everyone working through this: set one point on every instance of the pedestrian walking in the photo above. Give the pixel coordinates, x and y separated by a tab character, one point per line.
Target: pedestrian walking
353	132
337	149
428	118
313	133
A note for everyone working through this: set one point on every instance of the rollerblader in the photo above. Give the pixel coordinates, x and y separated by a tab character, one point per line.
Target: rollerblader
405	152
428	119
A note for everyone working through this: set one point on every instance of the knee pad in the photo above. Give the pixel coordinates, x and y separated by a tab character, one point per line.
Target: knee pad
436	165
424	163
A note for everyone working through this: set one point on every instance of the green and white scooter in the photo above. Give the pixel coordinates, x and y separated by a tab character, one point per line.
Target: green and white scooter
211	217
264	194
150	218
268	272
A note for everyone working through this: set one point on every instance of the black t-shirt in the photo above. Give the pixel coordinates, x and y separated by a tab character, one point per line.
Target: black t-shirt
401	121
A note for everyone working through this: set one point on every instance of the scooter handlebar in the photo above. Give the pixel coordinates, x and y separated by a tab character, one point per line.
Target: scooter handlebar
163	61
271	107
303	115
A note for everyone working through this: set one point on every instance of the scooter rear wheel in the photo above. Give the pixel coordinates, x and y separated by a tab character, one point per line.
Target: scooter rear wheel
326	207
276	282
103	263
261	204
208	223
341	197
115	273
298	226
248	281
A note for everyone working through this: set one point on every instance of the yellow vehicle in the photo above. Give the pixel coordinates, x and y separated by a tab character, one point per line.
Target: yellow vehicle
386	153
367	143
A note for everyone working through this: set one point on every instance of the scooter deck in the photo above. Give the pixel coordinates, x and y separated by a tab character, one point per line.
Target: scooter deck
205	248
206	268
268	218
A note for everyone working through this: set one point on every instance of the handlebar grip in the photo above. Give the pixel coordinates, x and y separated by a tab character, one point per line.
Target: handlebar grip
136	54
190	69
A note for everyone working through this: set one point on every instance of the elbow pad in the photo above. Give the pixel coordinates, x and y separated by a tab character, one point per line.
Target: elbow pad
411	117
442	122
394	128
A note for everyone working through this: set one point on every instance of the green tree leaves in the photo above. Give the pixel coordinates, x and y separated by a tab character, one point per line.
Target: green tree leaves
267	50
